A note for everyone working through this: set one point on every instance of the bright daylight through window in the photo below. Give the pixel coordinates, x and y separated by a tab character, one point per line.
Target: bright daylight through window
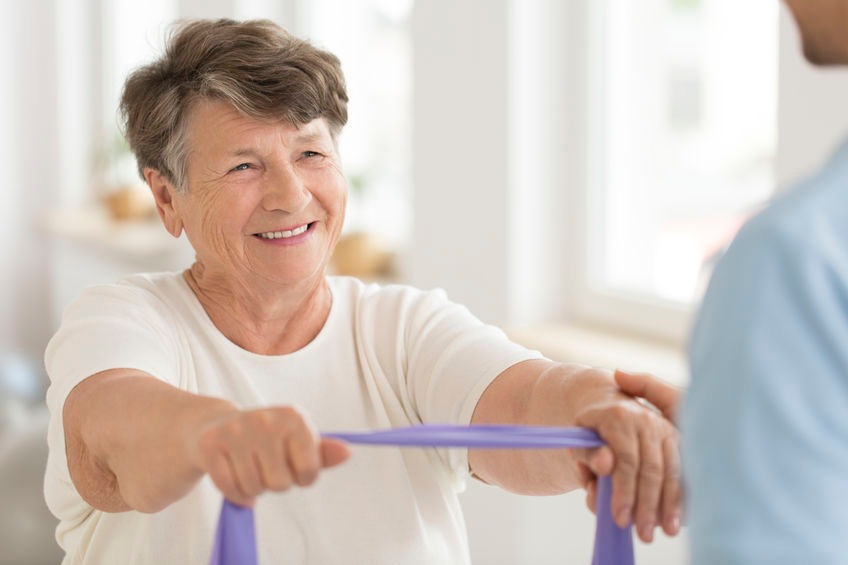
684	132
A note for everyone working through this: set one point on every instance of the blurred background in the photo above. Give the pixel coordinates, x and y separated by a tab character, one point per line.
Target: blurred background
569	170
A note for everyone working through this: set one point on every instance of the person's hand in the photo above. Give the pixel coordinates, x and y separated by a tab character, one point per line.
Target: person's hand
642	385
249	452
641	454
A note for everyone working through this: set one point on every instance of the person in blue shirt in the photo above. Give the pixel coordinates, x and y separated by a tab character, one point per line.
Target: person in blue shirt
765	420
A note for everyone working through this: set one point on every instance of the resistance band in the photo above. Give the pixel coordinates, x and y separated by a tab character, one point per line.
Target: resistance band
235	540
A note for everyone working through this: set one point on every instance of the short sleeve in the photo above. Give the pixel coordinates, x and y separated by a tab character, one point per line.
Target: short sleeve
107	327
765	421
451	358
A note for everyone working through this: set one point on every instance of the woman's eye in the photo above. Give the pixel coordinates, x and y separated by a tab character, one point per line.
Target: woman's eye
242	167
309	154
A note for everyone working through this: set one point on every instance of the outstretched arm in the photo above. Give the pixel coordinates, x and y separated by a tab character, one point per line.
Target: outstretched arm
641	451
134	442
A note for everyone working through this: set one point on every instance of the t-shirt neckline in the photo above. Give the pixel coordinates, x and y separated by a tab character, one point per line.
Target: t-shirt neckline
209	326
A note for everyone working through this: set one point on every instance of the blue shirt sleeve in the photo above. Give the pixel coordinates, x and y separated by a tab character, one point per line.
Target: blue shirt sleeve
765	420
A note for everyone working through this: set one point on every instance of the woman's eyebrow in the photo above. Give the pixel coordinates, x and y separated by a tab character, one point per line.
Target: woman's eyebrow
299	139
308	137
244	152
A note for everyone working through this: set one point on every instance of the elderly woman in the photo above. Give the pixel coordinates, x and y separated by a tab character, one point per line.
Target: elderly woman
171	390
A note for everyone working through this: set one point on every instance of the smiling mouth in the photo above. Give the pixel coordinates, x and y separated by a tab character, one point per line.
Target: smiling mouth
285	234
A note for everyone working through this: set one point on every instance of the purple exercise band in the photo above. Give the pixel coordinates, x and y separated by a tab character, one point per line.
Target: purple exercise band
235	539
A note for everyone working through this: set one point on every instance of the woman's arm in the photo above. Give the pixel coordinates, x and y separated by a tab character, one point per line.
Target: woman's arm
134	442
641	451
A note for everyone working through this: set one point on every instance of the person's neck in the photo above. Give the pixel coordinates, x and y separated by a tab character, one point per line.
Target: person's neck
261	317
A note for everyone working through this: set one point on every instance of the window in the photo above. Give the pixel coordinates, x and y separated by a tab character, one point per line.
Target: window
372	40
133	35
682	141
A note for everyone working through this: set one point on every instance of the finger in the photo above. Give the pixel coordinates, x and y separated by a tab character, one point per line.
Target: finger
587	481
660	394
303	456
592	495
672	496
271	462
598	460
621	454
221	473
245	471
651	474
585	476
624	477
333	452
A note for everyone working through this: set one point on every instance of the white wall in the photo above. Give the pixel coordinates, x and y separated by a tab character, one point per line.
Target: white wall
9	197
499	120
460	152
812	108
30	172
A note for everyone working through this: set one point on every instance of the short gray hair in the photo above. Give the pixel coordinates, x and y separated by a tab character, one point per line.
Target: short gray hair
258	67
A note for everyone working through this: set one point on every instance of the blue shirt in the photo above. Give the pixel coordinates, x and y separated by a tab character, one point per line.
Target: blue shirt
765	420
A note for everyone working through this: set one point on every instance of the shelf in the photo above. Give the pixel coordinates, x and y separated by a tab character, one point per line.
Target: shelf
94	226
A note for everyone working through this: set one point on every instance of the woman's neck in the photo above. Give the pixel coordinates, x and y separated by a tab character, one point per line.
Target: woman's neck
268	319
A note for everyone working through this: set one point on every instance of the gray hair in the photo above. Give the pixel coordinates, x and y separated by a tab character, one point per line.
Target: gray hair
258	67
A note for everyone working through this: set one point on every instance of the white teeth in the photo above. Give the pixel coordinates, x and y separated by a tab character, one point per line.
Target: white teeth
283	234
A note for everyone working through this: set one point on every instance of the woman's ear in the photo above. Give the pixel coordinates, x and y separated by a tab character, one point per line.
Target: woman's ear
164	194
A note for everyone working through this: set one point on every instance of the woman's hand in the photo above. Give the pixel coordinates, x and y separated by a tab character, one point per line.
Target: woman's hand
641	453
249	452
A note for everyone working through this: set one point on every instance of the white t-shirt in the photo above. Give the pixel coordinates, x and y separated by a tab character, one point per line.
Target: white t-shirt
386	357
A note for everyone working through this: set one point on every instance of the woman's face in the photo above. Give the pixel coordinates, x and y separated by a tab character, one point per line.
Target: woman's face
265	201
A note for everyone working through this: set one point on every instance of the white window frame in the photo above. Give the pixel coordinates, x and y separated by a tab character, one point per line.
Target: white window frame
591	303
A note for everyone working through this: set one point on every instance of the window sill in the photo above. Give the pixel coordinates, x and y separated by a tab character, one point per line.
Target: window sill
94	227
600	348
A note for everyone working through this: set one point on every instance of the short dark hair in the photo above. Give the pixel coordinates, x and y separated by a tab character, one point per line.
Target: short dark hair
257	66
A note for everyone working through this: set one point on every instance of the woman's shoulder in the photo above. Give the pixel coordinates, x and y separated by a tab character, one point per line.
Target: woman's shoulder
359	294
386	308
134	294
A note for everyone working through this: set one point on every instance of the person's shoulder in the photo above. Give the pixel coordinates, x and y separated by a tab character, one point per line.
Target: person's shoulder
357	290
790	251
382	300
805	220
138	293
162	283
813	210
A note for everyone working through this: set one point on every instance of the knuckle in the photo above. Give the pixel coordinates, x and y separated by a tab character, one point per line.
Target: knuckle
651	472
673	472
286	412
644	512
209	441
647	420
620	412
279	483
213	443
291	413
627	462
292	419
261	421
307	476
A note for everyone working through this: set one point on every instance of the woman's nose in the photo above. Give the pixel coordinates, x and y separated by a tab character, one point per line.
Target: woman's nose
285	191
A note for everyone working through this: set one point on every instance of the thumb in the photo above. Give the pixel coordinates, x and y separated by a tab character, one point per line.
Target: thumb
333	452
659	393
